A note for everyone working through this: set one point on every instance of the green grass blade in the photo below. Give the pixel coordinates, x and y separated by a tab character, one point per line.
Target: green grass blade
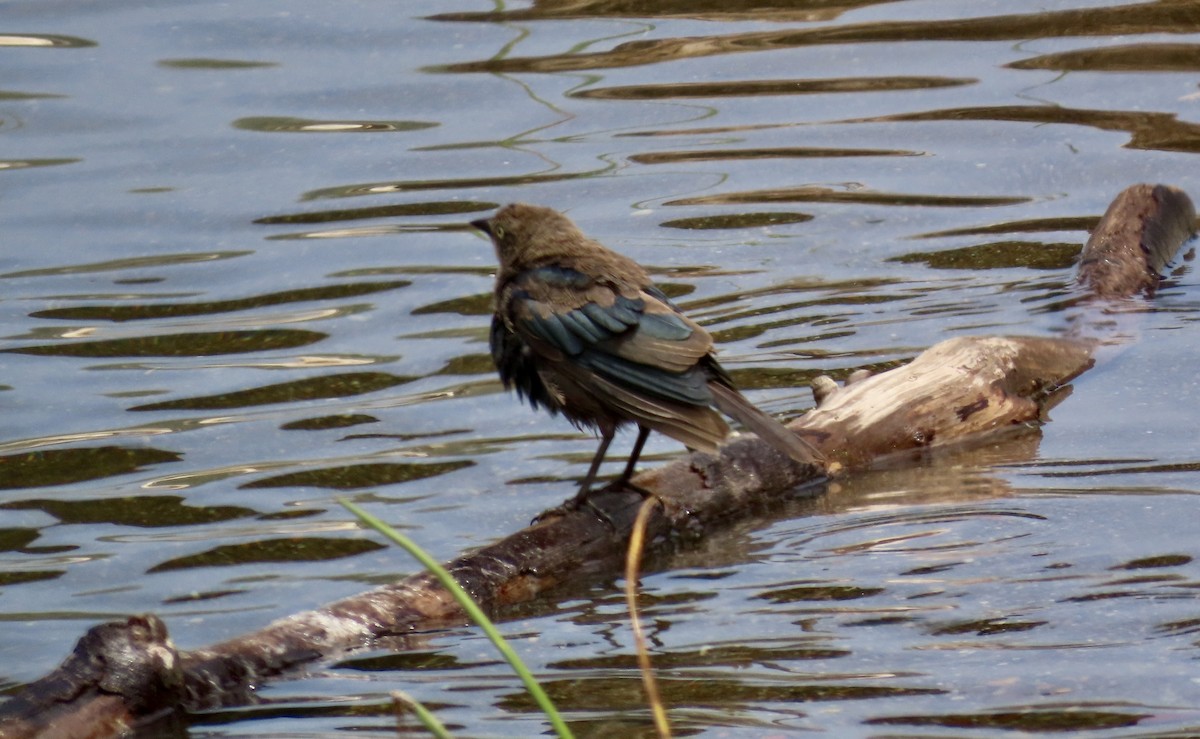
427	719
472	609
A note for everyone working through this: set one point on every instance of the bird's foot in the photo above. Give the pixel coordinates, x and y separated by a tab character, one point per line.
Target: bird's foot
583	499
646	494
571	506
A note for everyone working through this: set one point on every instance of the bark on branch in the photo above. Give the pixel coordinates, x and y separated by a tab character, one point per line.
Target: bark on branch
959	391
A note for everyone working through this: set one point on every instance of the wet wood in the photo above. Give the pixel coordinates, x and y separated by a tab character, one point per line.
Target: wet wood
960	391
120	674
1134	241
954	392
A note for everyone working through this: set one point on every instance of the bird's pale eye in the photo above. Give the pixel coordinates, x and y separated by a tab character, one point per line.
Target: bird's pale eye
498	231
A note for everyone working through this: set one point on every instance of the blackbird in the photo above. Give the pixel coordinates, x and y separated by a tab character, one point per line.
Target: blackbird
583	331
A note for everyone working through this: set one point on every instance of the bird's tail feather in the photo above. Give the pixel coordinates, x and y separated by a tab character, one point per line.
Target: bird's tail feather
734	404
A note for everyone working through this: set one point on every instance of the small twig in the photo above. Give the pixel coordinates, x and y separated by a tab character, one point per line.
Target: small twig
633	560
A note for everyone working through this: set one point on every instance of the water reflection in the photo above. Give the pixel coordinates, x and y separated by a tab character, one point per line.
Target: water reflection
998	255
129	263
188	464
215	64
269	124
292	549
1164	16
1067	718
751	10
26	163
330	386
144	311
852	194
743	88
1127	58
201	344
45	40
1161	131
143	511
716	155
66	466
381	211
736	220
354	477
1039	225
467	183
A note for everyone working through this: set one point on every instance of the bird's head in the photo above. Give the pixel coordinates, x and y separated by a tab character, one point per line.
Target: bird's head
526	234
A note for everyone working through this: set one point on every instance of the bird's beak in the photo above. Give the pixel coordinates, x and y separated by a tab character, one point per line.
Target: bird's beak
484	225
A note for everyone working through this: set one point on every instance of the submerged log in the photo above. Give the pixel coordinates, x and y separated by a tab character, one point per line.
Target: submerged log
121	674
960	391
1138	235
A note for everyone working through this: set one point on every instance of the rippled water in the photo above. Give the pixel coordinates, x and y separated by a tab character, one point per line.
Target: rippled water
238	283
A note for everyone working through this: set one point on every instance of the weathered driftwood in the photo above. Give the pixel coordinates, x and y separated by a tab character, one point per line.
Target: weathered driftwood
120	674
1138	235
959	391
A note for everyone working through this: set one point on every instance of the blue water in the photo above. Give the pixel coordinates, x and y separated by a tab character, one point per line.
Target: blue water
183	154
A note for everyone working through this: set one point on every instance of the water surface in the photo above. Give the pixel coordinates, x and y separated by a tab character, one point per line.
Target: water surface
239	283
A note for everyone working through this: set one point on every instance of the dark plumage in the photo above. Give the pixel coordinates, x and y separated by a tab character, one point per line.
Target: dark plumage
583	331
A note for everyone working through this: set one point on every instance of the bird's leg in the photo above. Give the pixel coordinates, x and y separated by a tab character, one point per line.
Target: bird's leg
631	465
586	488
624	480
